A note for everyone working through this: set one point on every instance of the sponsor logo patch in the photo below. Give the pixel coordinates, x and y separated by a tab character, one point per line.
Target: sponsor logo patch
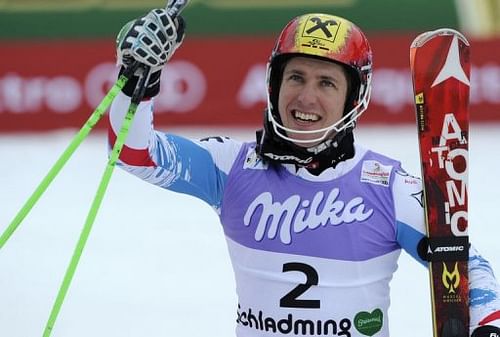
293	216
369	323
375	173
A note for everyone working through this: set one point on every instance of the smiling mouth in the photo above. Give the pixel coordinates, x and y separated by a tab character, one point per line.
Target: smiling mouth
305	117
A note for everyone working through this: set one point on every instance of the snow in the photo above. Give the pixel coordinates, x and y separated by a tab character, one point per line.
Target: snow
156	262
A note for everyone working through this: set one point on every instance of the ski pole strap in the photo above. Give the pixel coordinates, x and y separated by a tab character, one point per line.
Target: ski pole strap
445	248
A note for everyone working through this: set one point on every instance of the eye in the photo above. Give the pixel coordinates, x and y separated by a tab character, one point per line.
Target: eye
295	78
328	83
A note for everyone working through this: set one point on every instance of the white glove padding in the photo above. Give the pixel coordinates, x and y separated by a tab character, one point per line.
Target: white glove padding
150	40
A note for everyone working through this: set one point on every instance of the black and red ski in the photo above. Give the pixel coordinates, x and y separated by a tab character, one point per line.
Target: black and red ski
440	67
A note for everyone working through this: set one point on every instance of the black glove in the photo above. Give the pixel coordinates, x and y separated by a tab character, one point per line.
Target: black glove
486	331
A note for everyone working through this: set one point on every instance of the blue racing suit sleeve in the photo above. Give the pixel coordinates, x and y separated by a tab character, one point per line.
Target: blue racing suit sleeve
198	168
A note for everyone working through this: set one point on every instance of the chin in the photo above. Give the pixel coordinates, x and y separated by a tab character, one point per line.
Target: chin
306	145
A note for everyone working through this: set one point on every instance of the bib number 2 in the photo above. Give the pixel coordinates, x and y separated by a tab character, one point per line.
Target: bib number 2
291	300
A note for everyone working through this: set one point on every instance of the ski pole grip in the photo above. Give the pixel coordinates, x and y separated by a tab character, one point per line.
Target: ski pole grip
141	85
174	7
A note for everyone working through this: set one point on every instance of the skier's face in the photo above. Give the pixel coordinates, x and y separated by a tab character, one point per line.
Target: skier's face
311	97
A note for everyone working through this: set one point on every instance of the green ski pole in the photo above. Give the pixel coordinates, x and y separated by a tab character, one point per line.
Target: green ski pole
101	190
59	164
174	7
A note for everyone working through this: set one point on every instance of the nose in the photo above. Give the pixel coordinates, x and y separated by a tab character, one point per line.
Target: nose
307	95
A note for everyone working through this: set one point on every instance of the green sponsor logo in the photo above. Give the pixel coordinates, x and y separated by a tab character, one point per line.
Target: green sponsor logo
367	323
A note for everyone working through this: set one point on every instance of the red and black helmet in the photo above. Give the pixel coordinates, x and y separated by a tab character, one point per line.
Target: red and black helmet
330	38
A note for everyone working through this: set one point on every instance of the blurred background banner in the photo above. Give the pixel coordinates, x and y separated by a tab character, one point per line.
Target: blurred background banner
59	58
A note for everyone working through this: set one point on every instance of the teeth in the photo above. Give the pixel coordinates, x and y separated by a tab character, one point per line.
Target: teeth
305	116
